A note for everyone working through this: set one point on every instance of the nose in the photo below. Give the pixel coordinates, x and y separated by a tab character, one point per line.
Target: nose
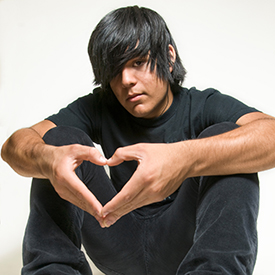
128	78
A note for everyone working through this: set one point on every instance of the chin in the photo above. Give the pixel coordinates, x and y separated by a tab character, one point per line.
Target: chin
138	113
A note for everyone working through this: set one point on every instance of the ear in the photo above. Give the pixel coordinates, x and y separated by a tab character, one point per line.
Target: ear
172	54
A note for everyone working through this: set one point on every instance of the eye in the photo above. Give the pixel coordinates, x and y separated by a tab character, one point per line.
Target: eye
138	63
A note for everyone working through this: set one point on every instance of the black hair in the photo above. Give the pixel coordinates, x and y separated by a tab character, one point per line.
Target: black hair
131	32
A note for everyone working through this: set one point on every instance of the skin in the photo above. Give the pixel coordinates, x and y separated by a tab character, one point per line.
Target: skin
140	91
234	152
250	148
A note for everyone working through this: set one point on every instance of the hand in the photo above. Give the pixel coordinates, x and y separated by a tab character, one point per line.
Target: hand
158	175
66	183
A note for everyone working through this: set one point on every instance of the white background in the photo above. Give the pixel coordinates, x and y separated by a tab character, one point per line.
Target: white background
228	45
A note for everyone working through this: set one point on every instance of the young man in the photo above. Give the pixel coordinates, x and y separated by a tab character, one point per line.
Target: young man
182	197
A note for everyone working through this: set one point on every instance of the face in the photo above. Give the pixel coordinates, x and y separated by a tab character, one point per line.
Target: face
140	91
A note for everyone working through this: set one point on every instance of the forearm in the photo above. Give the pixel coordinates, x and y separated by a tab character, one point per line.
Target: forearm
247	149
23	151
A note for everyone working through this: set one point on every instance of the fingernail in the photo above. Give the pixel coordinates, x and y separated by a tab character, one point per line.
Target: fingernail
102	225
104	214
101	158
109	222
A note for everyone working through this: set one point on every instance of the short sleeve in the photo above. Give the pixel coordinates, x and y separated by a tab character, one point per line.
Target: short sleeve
82	113
219	107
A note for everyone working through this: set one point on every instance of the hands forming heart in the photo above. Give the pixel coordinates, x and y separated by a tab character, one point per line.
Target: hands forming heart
157	176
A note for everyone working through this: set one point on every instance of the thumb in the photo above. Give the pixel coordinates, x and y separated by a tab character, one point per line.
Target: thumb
122	154
91	154
96	157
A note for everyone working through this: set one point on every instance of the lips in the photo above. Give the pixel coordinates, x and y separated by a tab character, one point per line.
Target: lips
134	97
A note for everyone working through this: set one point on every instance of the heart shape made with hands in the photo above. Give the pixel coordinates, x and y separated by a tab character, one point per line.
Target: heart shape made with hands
153	180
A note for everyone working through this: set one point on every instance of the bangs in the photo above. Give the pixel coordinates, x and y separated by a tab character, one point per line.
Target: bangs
129	41
127	33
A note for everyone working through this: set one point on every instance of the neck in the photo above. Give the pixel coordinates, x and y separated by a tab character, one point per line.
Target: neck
168	99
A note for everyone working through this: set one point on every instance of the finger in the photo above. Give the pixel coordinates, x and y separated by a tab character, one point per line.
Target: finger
132	196
124	154
78	194
94	208
113	217
92	154
96	157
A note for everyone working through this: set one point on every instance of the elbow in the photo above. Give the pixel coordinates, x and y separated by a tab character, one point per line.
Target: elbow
4	150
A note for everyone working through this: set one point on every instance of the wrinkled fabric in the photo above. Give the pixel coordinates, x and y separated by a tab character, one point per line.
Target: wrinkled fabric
207	227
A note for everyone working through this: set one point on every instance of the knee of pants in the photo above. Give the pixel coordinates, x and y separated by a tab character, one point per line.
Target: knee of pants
206	182
217	129
65	135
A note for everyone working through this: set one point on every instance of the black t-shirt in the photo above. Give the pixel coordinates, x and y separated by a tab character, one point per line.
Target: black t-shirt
103	118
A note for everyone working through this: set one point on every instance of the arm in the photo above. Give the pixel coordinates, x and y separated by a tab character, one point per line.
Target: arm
26	152
23	150
249	148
